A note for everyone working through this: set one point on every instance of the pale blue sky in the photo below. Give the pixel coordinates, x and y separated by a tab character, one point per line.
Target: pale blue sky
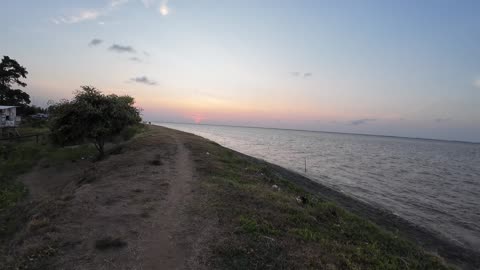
406	68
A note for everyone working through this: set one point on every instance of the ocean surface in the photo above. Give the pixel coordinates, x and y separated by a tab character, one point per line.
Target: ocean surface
434	184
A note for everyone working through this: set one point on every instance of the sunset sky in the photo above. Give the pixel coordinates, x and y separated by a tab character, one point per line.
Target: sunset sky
405	68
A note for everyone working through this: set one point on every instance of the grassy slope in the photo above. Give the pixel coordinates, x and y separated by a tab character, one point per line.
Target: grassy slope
266	228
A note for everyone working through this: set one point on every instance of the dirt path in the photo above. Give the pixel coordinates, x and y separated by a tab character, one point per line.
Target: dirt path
167	245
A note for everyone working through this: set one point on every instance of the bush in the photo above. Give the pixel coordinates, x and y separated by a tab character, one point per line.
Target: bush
92	116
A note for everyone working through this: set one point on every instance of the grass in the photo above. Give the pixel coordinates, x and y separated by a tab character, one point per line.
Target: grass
268	228
18	157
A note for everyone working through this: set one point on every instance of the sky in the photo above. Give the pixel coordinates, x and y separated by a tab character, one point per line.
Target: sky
402	68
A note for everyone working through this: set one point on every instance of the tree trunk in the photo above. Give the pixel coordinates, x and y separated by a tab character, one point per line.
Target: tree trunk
99	144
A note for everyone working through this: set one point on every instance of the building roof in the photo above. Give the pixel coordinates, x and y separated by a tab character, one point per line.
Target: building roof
6	107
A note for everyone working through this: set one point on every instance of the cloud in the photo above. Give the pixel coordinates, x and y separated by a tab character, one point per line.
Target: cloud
135	59
121	49
85	15
144	80
307	74
362	121
89	14
301	74
95	42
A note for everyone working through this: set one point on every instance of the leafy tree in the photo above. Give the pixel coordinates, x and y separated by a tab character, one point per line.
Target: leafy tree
92	116
11	74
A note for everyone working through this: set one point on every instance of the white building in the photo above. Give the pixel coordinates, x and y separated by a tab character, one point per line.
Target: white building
8	116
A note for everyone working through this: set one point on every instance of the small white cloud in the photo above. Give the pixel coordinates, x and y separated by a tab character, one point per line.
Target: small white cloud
85	15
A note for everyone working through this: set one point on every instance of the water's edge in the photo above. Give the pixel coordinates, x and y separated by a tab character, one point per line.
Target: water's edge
431	241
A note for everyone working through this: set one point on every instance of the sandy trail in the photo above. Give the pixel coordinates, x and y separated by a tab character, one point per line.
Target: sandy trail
167	244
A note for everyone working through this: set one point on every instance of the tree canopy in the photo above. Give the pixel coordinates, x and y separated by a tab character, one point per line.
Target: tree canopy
93	116
11	73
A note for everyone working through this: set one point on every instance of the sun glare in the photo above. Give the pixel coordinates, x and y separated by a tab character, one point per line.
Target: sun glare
197	118
164	10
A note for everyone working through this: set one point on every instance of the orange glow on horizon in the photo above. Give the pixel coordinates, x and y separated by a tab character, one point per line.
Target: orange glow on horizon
199	110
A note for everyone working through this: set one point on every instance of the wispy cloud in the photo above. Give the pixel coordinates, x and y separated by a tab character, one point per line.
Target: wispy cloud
85	15
362	121
301	74
135	59
143	80
95	42
89	14
121	48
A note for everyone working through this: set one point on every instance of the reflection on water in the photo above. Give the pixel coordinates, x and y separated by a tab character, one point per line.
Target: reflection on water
435	184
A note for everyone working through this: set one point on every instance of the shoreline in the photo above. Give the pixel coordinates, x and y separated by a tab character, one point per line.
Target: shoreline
429	240
328	132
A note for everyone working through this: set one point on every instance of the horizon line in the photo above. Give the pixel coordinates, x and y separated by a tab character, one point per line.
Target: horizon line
322	131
